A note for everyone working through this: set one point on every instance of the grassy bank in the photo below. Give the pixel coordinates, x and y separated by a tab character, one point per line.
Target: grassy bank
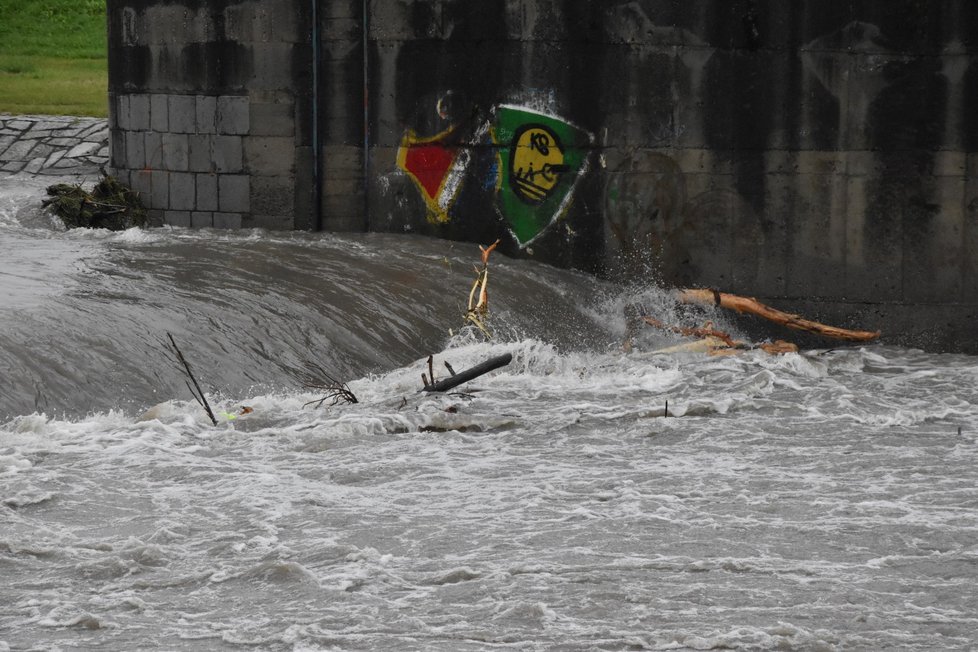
53	57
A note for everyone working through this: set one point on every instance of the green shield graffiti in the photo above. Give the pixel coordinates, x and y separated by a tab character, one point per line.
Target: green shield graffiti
541	158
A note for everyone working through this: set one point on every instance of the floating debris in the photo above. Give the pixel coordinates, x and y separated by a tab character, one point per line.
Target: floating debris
110	205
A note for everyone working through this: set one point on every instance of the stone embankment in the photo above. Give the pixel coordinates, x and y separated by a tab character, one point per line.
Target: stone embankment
55	146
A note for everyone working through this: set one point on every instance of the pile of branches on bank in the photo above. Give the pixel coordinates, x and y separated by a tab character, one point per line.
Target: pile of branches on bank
110	205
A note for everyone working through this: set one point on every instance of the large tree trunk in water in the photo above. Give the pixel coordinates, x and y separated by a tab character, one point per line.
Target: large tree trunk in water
755	307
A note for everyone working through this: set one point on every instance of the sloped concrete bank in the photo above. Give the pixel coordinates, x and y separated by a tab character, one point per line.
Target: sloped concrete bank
56	146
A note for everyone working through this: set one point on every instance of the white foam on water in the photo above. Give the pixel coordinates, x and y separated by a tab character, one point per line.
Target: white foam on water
813	501
549	503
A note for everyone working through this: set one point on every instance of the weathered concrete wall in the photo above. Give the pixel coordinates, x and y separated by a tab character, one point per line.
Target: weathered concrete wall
210	110
820	154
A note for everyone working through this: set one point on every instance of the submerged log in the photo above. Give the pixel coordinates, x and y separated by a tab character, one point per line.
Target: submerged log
754	307
468	374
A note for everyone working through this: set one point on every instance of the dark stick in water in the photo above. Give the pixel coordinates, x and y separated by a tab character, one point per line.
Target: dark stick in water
470	373
196	391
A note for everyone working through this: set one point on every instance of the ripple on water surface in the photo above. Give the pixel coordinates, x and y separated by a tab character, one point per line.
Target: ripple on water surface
824	500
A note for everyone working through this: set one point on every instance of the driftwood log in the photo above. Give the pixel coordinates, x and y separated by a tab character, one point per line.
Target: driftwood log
754	307
466	375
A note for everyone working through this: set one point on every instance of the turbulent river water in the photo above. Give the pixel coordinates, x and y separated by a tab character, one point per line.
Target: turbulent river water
815	501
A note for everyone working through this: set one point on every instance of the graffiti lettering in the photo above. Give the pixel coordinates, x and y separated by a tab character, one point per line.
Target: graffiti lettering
540	141
536	161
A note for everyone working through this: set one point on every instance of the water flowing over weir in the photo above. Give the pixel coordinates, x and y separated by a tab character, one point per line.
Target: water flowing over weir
86	310
815	501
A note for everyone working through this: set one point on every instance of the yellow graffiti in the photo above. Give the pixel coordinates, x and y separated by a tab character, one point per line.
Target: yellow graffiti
537	163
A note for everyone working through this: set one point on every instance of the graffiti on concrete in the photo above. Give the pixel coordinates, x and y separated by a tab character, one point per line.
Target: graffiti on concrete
540	160
437	167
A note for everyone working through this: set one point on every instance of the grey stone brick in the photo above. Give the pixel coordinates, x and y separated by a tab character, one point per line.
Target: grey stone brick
177	218
139	112
87	149
48	125
154	150
34	165
269	155
234	193
226	154
117	149
200	152
54	157
98	125
122	111
176	152
141	181
135	150
227	220
272	195
158	112
160	199
206	114
18	151
69	132
113	106
183	195
272	119
201	219
232	114
207	192
183	114
344	159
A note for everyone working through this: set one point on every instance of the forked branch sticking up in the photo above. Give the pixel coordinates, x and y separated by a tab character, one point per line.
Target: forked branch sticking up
195	389
319	379
478	307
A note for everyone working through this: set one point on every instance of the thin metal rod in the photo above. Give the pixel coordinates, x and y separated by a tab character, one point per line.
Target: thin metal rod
317	182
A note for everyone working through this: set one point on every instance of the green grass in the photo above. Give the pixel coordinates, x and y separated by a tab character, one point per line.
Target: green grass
53	57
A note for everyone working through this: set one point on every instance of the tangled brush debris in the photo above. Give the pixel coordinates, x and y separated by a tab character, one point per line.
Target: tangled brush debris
110	205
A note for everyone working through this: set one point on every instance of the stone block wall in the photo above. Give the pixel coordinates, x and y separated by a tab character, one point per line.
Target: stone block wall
210	111
185	155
